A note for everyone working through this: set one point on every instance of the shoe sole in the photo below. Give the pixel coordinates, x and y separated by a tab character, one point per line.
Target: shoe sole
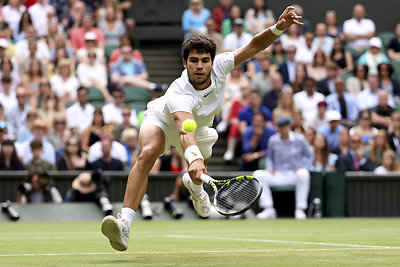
110	228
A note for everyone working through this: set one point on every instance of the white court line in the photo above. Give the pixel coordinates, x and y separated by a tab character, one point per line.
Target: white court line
182	252
280	241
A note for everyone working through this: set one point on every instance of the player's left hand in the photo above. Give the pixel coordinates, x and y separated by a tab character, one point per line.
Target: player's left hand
196	169
288	18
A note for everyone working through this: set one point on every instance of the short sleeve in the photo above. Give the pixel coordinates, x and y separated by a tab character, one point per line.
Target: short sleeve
224	63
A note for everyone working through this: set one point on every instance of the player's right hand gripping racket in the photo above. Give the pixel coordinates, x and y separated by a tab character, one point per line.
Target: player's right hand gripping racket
234	196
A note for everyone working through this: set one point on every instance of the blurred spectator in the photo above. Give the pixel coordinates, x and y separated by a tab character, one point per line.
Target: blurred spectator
393	49
332	28
8	156
112	27
373	56
343	101
3	129
317	69
306	27
17	115
254	142
37	188
51	107
12	13
80	114
24	132
44	89
93	74
319	118
364	128
39	132
129	138
300	75
37	164
271	98
213	34
113	111
7	69
389	163
59	135
118	151
327	86
287	162
309	135
78	35
292	37
322	40
194	18
227	24
8	98
22	47
324	160
92	133
24	65
286	106
130	72
125	124
332	129
107	162
20	31
73	159
387	81
358	29
40	13
374	151
278	55
83	189
238	37
61	42
359	82
64	83
298	122
355	159
221	13
344	143
288	68
259	17
394	133
368	98
73	15
116	53
305	54
382	112
342	58
262	80
32	78
91	44
101	12
308	99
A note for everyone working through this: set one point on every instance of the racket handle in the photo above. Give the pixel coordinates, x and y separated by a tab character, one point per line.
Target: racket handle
205	178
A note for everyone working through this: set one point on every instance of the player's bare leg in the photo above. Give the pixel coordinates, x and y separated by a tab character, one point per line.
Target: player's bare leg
151	141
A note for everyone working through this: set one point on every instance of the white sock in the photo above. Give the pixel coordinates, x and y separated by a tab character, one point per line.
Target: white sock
127	214
196	188
152	86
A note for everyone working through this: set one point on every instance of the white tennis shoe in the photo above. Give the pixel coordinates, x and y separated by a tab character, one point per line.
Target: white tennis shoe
201	201
117	231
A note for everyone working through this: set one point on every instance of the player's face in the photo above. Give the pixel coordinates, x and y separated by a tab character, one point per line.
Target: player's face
199	67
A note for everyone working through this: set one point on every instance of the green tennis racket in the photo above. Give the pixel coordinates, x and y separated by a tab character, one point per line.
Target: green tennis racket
234	196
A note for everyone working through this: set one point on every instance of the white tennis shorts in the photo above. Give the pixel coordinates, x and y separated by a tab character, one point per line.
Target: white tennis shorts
205	136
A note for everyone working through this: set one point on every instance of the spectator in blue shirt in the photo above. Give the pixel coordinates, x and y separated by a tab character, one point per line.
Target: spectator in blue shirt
255	141
332	129
194	18
288	160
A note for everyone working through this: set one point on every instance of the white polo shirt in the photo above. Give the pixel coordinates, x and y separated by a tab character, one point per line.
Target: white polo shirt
353	26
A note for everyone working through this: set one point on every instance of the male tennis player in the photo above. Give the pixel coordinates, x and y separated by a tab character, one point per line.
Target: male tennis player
197	95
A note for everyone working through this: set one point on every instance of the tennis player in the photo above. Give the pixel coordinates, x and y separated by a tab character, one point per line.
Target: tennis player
197	95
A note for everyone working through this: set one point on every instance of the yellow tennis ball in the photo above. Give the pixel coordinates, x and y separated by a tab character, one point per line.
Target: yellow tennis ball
189	125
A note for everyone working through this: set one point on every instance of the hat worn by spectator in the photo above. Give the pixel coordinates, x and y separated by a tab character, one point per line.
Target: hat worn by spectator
3	43
238	22
84	184
333	115
90	36
39	123
283	121
375	42
322	104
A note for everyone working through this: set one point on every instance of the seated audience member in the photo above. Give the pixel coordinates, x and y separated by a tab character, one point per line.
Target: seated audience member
332	129
92	133
305	54
394	133
59	135
194	18
221	12
308	99
317	69
288	67
343	101
359	82
322	40
374	151
358	29
381	113
309	135
37	164
286	107
64	83
52	106
287	162
344	143
113	111
324	160
73	159
254	142
8	68
364	127
238	37
37	188
298	122
387	81
8	98
78	35
389	163
227	24
22	46
327	86
16	116
91	45
271	98
116	53
332	28
259	17
262	80
106	162
355	159
342	58
8	156
373	56
393	49
292	37
83	189
31	79
125	124
118	151
39	132
278	55
319	118
129	138
112	27
300	76
214	35
24	132
369	97
80	114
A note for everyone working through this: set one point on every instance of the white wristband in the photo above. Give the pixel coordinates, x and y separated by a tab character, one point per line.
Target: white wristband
275	30
192	153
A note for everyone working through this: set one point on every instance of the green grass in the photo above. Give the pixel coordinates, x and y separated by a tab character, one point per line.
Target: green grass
282	242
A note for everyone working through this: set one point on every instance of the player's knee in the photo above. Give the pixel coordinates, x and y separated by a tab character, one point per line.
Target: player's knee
149	154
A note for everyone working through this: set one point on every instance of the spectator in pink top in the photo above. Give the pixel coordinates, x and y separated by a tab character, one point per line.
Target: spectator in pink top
78	35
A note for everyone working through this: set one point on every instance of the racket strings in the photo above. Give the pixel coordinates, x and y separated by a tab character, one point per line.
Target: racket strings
237	196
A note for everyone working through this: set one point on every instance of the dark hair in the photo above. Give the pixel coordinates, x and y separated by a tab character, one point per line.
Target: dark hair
6	79
36	144
200	43
260	114
389	66
99	111
365	68
14	157
3	60
309	79
82	88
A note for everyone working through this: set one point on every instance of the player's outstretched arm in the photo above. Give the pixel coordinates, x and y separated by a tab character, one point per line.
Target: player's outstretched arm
265	38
